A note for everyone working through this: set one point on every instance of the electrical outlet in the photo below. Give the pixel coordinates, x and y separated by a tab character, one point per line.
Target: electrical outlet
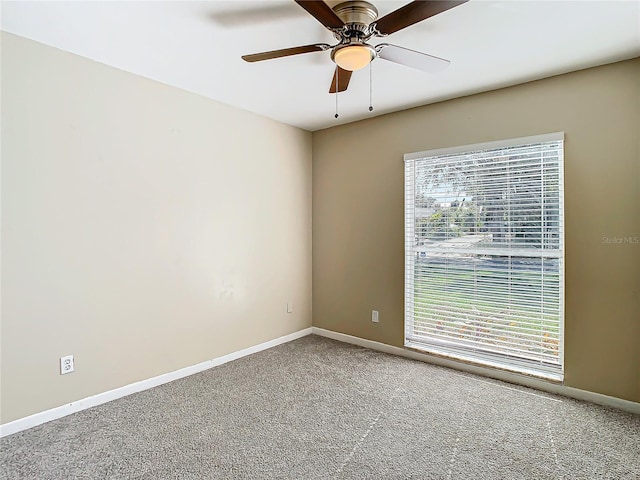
66	364
374	316
289	307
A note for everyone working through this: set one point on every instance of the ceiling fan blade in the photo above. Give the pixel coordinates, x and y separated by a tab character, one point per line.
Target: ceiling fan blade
343	77
321	12
413	12
285	52
411	58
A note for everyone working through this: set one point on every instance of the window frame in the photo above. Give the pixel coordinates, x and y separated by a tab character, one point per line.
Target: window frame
495	360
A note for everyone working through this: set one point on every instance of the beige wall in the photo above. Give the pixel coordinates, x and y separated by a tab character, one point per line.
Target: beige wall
358	256
144	228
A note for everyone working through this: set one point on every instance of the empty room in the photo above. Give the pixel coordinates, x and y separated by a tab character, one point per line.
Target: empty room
320	240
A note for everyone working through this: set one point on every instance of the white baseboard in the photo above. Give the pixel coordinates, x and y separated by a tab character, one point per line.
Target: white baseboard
67	409
524	380
64	410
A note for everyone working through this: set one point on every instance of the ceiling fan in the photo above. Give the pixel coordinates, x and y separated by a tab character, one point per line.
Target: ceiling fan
355	22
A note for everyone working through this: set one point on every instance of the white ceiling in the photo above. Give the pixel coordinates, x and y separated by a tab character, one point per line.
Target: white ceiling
197	46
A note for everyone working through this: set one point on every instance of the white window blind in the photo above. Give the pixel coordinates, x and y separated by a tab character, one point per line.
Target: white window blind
484	243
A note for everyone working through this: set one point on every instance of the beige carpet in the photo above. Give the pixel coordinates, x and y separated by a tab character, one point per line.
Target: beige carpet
319	409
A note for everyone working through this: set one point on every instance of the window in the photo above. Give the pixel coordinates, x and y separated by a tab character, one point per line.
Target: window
484	254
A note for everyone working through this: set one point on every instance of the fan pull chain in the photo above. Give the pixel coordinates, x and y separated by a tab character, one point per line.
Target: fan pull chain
337	88
370	88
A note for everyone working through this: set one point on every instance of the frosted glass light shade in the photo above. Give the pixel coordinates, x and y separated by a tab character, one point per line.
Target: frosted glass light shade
353	57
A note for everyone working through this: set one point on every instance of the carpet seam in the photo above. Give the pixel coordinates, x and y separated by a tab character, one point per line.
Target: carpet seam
372	425
554	450
454	453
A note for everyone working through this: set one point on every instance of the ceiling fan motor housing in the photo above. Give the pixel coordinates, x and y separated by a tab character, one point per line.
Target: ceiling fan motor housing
357	16
352	53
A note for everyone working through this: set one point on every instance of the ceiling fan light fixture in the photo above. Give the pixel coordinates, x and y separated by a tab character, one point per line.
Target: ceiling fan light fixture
353	57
